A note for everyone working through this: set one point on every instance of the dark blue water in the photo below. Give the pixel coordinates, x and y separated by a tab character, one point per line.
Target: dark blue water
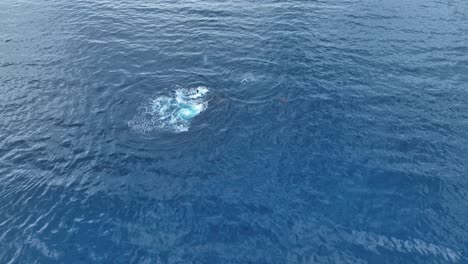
332	131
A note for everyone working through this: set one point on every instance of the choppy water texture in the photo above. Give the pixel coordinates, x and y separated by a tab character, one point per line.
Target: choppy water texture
332	131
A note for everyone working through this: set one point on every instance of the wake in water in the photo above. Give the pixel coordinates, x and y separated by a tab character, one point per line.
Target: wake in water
170	113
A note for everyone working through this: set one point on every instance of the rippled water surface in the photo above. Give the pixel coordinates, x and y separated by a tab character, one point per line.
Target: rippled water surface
330	131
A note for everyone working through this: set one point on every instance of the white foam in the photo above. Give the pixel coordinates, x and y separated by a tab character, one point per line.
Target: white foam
170	113
247	77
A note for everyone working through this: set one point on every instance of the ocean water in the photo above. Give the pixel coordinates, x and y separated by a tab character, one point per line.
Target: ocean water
325	131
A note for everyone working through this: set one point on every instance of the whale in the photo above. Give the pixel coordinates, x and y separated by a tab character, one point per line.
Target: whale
171	112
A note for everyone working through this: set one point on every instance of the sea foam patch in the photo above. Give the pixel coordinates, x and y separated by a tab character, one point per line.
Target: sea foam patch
171	113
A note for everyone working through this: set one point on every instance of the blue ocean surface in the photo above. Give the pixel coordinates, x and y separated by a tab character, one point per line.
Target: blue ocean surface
182	131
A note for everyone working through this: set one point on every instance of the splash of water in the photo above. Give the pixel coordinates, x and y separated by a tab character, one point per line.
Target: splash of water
170	113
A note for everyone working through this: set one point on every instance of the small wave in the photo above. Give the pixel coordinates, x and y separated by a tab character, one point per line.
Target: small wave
170	113
373	241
